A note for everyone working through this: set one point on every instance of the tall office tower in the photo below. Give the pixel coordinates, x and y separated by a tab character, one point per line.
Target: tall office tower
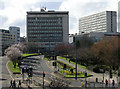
47	28
16	31
6	39
119	16
100	22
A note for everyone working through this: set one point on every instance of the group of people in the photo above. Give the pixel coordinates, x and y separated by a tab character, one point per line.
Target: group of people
13	84
113	83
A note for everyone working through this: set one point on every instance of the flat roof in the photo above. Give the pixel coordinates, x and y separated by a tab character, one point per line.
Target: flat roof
47	12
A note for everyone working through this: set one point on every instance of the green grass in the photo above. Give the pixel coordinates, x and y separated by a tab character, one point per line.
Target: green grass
80	75
63	58
45	58
66	64
14	70
25	55
71	61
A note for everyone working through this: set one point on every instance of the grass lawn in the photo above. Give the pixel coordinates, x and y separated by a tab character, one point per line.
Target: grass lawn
66	64
80	75
45	58
14	70
25	55
71	61
63	58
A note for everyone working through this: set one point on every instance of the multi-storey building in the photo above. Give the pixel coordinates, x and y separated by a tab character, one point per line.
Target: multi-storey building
6	39
47	28
100	22
16	31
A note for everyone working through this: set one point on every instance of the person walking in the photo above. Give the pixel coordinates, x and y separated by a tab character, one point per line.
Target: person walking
113	83
11	83
14	84
19	84
106	82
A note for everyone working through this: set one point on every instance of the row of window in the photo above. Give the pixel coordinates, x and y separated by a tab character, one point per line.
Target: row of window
44	24
45	18
45	38
45	35
45	21
45	27
52	31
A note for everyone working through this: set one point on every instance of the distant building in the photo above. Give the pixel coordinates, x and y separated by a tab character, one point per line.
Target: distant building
47	28
23	39
100	22
6	39
16	31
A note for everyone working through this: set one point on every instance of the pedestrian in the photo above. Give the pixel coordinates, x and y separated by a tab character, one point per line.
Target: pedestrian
11	83
14	84
113	83
106	82
19	84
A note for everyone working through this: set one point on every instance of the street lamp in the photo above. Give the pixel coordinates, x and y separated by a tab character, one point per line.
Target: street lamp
75	59
76	62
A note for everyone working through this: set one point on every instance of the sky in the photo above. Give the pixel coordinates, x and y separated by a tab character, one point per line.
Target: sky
13	12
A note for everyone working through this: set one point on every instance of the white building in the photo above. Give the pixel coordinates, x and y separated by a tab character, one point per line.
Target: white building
100	22
16	31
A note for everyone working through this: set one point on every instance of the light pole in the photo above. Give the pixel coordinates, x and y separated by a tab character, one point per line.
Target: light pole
75	58
76	62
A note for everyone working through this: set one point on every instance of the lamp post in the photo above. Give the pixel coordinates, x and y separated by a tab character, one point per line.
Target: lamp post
76	62
75	58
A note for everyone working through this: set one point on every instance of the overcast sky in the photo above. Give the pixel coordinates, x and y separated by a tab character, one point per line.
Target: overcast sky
13	12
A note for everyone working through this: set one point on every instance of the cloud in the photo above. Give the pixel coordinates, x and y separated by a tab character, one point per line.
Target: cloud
13	12
2	5
3	20
21	24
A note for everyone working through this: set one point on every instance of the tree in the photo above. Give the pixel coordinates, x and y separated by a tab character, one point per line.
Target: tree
107	50
14	52
64	49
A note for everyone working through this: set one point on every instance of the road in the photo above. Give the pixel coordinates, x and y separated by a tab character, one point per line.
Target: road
4	74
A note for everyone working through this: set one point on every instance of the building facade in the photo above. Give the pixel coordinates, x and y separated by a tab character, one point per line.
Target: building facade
47	28
6	39
16	31
105	21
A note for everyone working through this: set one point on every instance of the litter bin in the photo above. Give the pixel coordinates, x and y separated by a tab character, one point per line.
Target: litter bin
96	79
